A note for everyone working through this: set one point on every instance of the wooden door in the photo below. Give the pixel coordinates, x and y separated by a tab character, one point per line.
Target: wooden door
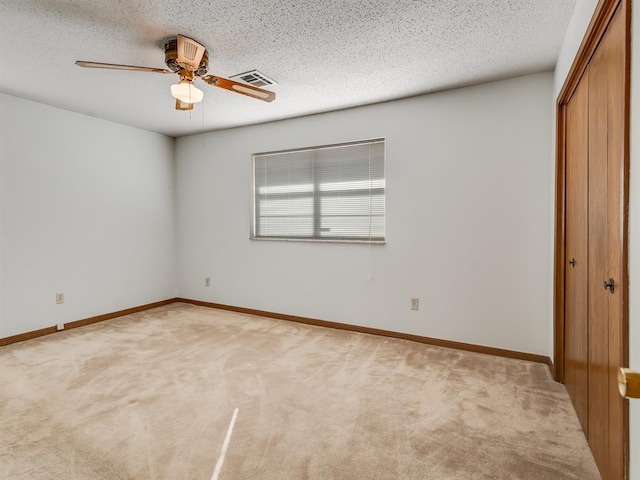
595	336
576	334
613	49
606	349
598	301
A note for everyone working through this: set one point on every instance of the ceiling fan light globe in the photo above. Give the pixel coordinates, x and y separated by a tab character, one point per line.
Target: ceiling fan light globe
187	92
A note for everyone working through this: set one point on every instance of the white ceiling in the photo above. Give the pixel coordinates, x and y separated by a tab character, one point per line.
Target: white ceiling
325	54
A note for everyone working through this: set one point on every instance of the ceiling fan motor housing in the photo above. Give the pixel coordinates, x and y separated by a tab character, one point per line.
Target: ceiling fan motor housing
171	58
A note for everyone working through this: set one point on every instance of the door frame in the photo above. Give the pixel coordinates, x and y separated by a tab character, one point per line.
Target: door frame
603	14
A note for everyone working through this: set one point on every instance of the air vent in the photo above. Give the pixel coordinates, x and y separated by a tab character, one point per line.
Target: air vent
190	53
190	50
255	78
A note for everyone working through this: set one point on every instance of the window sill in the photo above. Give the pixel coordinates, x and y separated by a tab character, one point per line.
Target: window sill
317	240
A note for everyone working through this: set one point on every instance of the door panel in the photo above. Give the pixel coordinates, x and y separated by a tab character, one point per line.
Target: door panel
598	300
613	47
576	358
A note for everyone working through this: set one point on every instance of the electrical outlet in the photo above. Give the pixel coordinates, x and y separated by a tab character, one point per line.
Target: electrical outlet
415	303
207	281
59	298
60	326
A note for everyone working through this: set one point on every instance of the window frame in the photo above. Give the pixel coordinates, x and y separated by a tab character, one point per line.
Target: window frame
253	216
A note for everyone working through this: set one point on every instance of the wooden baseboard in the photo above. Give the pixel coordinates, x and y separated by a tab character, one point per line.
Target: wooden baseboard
21	337
81	323
469	347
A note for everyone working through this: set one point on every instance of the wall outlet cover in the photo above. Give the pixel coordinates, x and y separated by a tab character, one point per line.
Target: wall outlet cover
415	303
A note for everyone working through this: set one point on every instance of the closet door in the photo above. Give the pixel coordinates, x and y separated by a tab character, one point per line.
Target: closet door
576	331
595	336
613	47
598	301
607	351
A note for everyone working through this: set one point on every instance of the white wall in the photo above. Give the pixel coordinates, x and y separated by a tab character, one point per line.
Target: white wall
577	28
468	219
86	208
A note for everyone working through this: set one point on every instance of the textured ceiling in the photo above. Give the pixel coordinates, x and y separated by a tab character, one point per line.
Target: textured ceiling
325	54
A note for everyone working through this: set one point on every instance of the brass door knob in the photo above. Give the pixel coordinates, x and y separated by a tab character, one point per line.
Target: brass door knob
629	383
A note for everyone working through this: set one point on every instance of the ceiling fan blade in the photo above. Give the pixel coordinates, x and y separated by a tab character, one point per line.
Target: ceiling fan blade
180	105
255	92
190	52
115	66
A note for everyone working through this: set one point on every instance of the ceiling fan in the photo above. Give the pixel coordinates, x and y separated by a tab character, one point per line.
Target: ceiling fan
189	59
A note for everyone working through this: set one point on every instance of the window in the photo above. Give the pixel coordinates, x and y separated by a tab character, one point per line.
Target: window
333	193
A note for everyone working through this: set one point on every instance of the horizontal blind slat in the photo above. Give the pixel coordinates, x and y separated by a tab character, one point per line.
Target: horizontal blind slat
333	192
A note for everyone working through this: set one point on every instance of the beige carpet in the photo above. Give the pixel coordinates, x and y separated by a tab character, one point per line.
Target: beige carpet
151	396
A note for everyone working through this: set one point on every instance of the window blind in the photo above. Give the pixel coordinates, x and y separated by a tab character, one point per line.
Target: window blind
334	192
